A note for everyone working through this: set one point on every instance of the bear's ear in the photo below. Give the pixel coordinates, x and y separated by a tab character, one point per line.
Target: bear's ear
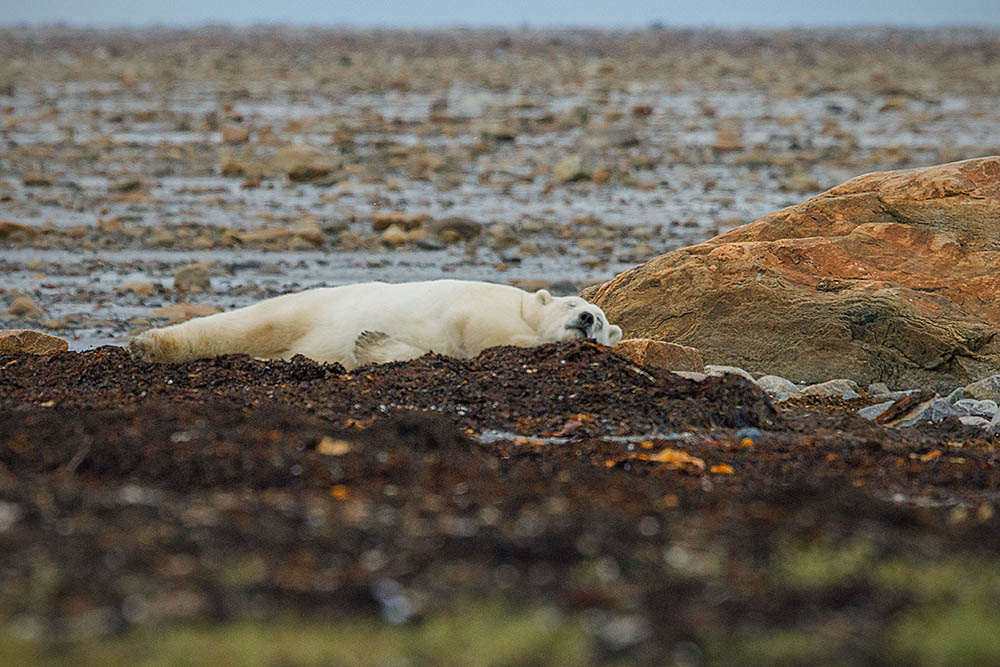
543	296
614	335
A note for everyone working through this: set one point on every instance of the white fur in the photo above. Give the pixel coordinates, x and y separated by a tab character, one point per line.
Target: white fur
378	322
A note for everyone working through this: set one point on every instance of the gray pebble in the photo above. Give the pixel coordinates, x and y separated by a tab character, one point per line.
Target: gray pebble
713	370
941	408
778	387
840	388
936	410
878	388
430	243
985	408
873	411
896	395
972	420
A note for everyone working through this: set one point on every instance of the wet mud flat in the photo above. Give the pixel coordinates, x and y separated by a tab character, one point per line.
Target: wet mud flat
574	507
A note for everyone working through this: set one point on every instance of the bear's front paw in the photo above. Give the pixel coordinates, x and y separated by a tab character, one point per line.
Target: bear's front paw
140	348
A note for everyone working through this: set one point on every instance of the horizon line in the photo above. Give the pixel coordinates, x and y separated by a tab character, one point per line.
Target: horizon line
649	26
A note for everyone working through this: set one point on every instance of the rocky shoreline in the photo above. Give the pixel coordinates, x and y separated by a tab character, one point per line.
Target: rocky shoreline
555	158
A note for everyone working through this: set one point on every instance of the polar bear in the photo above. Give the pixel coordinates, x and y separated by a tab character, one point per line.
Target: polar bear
377	322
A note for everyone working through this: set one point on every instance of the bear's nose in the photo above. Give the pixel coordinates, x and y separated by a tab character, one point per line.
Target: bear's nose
586	319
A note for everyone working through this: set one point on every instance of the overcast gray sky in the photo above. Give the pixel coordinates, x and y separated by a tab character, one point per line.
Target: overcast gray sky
431	13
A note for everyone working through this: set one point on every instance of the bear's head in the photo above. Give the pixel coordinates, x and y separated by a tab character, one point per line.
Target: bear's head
558	318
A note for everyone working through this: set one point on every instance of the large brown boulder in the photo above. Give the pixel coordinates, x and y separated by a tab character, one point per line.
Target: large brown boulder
892	277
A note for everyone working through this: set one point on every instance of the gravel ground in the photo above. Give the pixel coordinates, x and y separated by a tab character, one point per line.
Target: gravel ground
134	153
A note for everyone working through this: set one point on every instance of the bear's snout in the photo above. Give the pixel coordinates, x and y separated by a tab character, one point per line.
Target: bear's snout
586	319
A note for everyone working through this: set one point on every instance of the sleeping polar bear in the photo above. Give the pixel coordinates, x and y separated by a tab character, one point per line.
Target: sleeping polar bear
367	323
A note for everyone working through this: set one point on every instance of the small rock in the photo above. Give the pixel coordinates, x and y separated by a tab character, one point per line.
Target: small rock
308	231
840	388
572	168
899	394
987	388
985	408
16	230
230	167
137	288
934	411
25	308
417	235
878	388
179	312
779	388
406	221
895	103
573	117
465	228
905	407
498	130
348	240
128	185
995	422
660	354
973	420
713	370
430	243
26	341
304	163
394	235
235	134
956	394
192	278
162	238
692	375
450	237
36	179
875	411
